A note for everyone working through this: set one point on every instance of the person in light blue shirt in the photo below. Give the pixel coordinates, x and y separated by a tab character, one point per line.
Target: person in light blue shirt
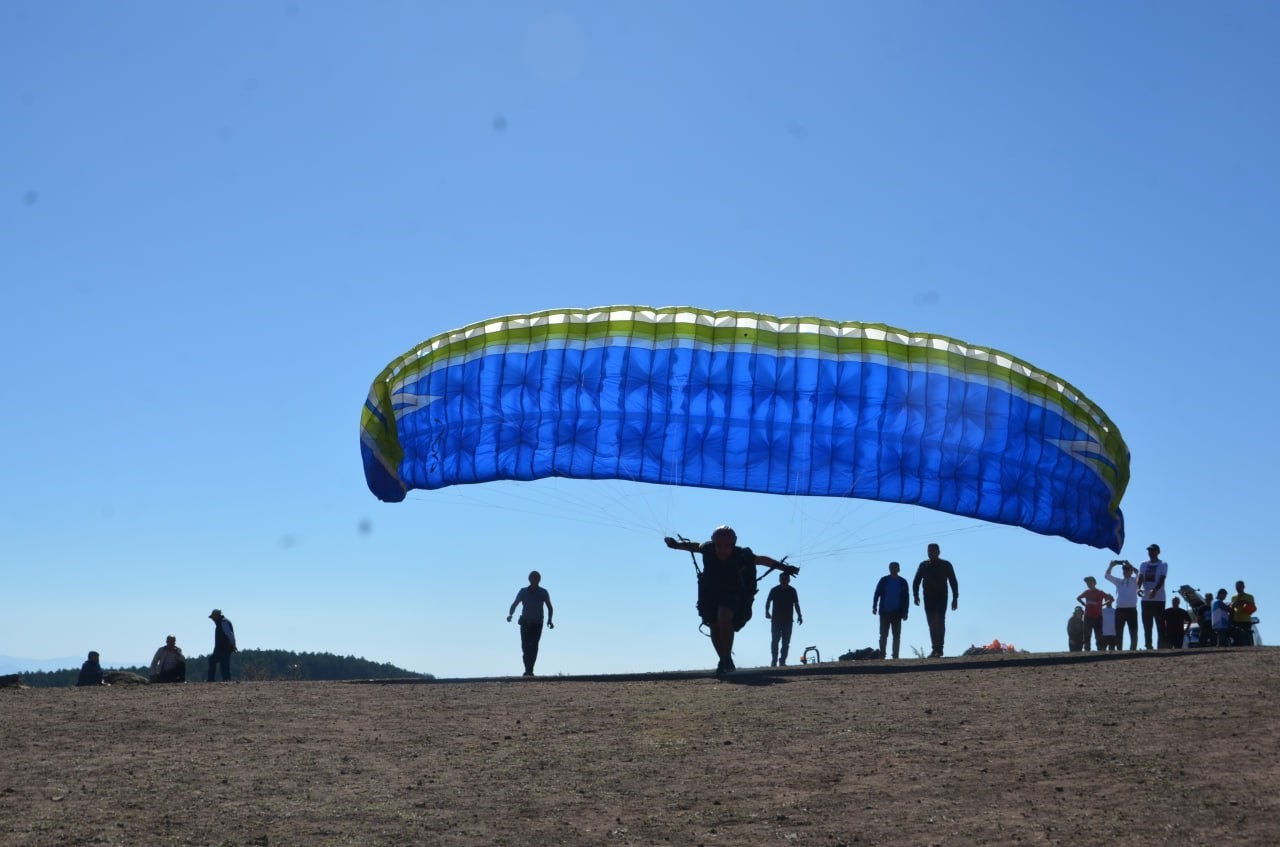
531	599
1221	616
892	602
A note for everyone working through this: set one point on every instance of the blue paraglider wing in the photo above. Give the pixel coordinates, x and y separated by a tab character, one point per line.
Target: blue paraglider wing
749	402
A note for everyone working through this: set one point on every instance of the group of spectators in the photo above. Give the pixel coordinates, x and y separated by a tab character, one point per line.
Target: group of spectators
168	664
1101	619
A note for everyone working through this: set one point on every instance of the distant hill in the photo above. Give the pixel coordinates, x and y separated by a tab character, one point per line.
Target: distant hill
254	666
14	664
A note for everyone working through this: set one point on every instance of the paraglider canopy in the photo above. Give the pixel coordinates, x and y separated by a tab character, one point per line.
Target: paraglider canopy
749	402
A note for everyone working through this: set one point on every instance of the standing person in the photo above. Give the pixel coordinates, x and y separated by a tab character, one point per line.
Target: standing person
1176	623
1151	578
1242	609
224	644
90	671
726	587
778	606
1075	630
168	664
1110	635
1206	621
531	599
1126	600
1222	619
1092	598
892	602
936	574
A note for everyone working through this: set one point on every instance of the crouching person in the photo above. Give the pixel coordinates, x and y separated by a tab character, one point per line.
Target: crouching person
169	665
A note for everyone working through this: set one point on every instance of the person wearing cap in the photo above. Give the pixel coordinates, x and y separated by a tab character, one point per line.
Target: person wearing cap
1151	579
224	644
726	587
1126	600
891	601
168	664
936	574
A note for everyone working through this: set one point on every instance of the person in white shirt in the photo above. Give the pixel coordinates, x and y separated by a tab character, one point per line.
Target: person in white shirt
1151	578
1126	601
168	664
1110	638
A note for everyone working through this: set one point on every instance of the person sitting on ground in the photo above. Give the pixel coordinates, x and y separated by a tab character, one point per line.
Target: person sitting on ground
90	671
168	664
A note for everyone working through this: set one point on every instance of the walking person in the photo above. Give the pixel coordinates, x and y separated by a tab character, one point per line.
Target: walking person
1151	579
936	574
531	599
778	607
224	644
892	602
1126	600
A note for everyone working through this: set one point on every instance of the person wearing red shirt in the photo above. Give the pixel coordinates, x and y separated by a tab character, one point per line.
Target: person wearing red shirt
1092	599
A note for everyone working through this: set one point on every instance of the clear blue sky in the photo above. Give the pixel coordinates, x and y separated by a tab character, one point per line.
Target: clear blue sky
219	222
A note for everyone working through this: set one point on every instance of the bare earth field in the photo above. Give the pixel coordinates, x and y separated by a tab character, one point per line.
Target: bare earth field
1131	748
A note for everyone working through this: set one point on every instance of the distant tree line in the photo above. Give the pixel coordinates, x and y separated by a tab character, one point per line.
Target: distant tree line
254	666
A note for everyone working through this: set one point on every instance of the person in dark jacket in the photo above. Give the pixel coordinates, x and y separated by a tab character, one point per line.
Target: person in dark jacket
1075	630
937	574
90	671
224	644
892	602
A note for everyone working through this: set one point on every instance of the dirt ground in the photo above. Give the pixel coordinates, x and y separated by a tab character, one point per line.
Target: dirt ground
1131	748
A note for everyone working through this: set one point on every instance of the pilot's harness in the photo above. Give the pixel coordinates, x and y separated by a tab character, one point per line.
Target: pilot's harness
789	570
